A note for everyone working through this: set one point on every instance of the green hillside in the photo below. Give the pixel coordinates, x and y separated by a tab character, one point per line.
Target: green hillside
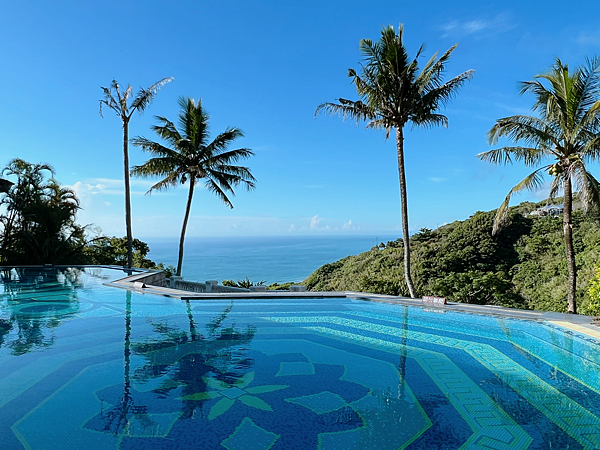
523	266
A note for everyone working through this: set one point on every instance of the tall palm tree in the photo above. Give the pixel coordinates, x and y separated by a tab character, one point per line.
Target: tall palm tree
568	133
125	104
393	93
191	157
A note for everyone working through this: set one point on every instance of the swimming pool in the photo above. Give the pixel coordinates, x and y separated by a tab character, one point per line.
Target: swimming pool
84	365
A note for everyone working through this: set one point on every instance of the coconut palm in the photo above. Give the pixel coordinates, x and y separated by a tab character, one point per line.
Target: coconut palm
125	104
393	92
566	133
192	158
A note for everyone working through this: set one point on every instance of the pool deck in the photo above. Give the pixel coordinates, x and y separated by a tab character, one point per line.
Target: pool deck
574	322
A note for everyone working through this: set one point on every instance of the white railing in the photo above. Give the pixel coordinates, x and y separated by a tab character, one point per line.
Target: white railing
210	286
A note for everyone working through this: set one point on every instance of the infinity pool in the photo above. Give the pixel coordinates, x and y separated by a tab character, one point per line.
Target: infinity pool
86	366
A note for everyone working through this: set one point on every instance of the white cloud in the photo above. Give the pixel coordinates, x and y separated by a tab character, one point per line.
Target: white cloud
480	26
314	222
589	38
107	186
437	180
350	226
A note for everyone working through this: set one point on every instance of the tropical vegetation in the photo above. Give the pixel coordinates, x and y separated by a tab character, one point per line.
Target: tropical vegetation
124	104
244	284
190	156
523	266
392	93
38	218
567	132
593	292
38	225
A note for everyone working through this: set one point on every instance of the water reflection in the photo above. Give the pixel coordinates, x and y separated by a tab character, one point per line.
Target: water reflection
116	418
33	303
187	359
176	362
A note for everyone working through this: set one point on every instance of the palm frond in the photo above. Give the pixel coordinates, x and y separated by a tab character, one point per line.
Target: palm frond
504	155
347	109
155	148
525	128
430	77
193	121
590	150
382	124
531	182
171	180
441	95
235	175
167	130
224	139
587	185
155	167
145	96
429	120
216	189
556	186
230	156
109	101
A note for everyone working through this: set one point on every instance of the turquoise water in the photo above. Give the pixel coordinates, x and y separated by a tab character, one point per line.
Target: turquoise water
87	366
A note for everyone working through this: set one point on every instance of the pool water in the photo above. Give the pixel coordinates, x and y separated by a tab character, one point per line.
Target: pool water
86	366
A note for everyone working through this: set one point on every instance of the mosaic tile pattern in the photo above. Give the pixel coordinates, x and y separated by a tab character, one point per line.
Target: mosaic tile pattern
321	403
295	368
492	427
143	372
249	436
563	411
389	401
583	368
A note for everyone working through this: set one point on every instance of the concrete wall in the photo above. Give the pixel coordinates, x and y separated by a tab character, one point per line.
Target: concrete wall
152	279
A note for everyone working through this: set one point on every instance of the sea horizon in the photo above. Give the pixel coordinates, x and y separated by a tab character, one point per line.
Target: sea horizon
272	259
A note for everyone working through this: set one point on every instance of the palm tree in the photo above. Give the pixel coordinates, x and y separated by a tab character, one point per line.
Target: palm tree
192	158
568	133
119	102
392	93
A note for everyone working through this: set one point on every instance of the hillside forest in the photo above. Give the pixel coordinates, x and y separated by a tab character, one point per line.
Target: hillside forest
522	266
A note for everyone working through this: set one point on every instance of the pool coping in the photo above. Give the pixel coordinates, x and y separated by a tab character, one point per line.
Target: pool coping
573	322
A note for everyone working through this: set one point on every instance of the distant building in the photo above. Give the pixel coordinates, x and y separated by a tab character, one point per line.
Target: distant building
548	210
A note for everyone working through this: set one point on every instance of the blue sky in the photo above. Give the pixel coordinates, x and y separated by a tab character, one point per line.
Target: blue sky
264	66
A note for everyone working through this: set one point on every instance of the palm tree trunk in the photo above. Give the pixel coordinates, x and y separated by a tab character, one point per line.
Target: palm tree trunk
404	208
185	221
127	193
568	230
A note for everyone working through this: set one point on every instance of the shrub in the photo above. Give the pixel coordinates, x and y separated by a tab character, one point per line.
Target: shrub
592	307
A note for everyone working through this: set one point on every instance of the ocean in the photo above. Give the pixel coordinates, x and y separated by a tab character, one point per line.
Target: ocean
266	258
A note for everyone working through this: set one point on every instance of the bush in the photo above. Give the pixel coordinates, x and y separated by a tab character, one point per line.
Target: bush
169	270
244	284
281	287
592	306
